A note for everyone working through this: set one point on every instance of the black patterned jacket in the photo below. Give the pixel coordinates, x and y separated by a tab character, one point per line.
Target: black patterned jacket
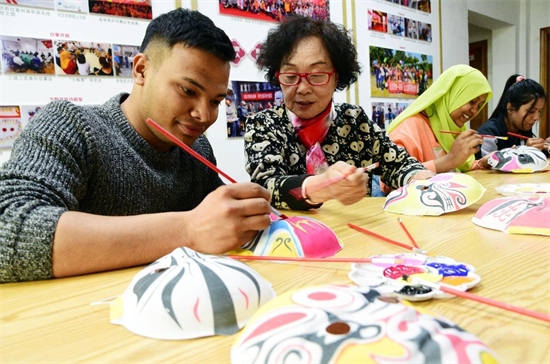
275	158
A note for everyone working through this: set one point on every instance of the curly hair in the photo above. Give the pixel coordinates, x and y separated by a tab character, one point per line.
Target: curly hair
282	41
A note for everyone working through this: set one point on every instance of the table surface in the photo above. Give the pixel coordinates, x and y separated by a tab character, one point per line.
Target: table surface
54	321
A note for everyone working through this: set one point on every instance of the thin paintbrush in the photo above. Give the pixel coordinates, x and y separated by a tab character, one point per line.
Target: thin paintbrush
297	192
407	232
324	260
518	135
205	161
471	296
546	145
481	135
387	240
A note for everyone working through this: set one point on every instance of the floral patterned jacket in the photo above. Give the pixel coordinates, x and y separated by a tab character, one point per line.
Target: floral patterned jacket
275	158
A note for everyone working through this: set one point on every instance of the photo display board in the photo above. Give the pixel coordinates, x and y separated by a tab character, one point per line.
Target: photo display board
398	45
75	50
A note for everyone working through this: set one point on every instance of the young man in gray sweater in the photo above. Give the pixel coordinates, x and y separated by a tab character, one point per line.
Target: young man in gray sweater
95	188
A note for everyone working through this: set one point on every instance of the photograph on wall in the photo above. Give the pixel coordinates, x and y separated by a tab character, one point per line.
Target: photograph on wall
79	6
424	5
275	10
83	58
44	4
28	111
411	28
377	116
396	25
399	74
123	59
27	55
383	113
244	99
425	32
140	9
13	120
11	125
411	4
378	21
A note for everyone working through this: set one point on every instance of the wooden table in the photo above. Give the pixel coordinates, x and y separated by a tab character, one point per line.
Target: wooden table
53	321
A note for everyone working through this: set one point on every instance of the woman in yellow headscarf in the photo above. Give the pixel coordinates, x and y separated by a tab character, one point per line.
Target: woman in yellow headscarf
454	98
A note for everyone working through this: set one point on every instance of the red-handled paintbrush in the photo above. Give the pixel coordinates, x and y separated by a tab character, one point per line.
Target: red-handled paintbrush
297	192
387	240
471	296
518	135
205	161
407	232
324	260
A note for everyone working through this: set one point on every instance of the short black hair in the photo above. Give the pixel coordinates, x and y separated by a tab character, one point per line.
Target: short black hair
282	41
191	28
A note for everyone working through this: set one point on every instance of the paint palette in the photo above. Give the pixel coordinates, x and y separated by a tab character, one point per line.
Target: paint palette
531	189
386	272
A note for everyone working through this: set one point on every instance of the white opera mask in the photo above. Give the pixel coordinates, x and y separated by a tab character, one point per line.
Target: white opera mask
522	159
186	295
443	193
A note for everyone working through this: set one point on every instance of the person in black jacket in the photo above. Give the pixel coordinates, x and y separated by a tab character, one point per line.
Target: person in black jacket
518	110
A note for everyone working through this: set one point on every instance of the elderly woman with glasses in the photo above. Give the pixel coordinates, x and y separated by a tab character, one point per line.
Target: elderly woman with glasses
309	149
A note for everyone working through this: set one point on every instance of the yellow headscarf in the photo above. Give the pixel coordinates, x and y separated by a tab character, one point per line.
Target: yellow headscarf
454	88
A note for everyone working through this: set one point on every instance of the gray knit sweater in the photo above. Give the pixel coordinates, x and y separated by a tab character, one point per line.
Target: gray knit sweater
89	159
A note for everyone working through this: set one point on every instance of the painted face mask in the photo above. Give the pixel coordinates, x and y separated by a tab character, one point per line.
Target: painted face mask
341	324
522	159
443	193
516	215
186	295
385	274
297	236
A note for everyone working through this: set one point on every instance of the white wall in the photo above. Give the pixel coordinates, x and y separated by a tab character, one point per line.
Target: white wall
454	33
512	29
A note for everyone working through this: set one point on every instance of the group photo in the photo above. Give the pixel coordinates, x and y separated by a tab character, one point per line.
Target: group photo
27	55
396	73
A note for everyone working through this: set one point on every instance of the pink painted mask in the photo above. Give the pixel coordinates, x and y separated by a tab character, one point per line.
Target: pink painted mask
522	159
516	215
297	236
